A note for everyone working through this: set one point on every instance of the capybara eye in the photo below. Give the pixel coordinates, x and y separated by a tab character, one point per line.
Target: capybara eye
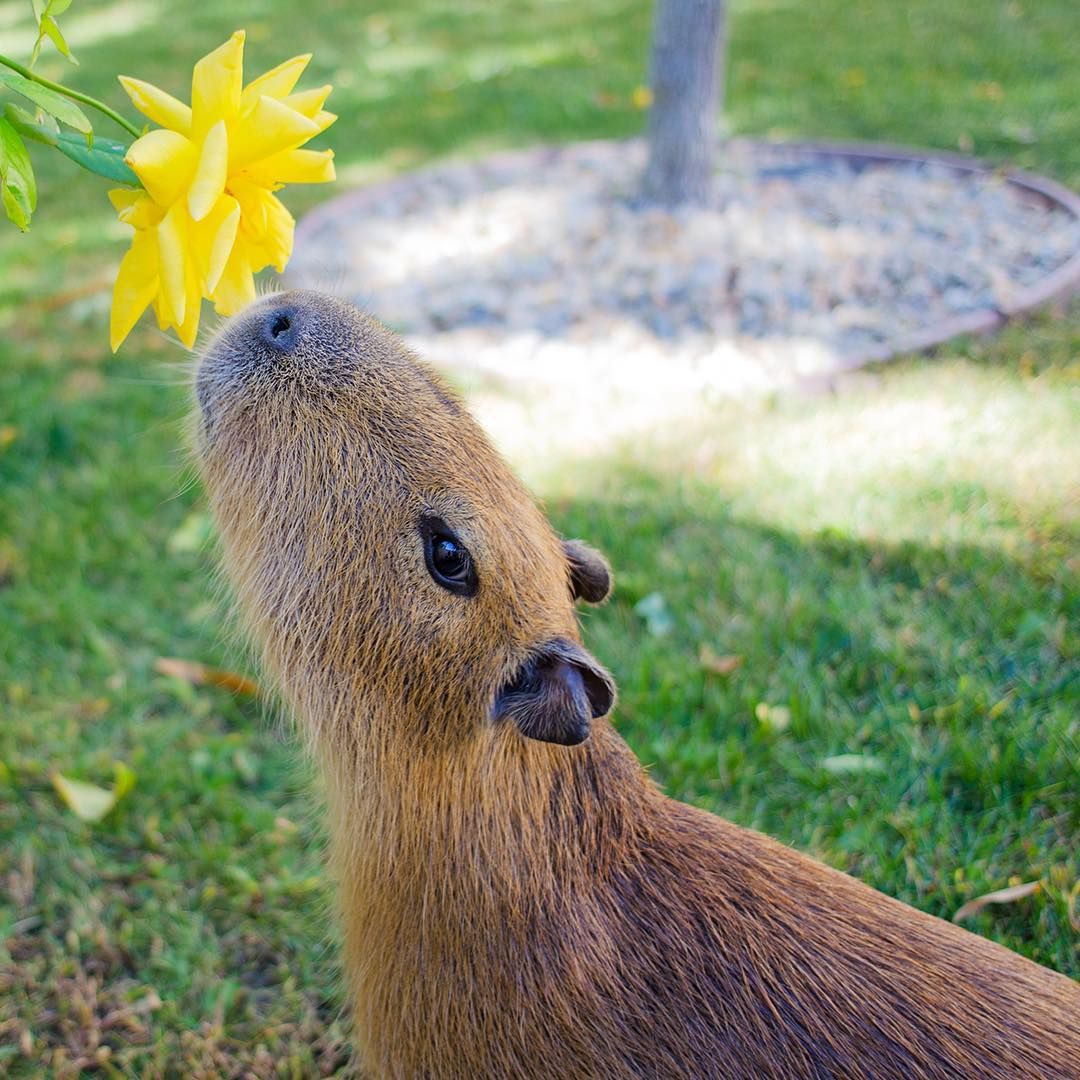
448	559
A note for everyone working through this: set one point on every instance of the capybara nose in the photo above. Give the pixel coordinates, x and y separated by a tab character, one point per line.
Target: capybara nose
279	327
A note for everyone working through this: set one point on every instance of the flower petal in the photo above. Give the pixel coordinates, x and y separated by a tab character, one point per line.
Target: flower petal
134	207
187	329
271	128
293	167
276	83
252	199
123	197
162	312
309	102
160	107
136	286
323	120
213	239
216	84
209	180
172	238
164	161
278	243
236	289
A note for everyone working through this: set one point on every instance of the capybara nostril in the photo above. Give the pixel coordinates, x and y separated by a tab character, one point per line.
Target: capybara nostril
280	327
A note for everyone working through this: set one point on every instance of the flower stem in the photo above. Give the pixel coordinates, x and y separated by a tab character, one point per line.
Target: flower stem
75	95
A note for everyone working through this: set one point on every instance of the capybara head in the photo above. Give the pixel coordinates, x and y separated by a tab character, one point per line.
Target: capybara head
395	571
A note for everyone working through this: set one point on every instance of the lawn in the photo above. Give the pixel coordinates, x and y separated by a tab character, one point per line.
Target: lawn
896	568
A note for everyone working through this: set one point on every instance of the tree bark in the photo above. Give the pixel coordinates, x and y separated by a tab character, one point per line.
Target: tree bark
686	73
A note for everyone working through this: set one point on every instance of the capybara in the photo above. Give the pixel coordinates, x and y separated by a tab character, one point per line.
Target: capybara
518	897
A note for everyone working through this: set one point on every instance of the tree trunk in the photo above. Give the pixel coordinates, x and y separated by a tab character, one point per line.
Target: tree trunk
686	73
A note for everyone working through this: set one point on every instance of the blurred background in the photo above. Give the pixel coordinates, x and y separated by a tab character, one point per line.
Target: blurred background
845	617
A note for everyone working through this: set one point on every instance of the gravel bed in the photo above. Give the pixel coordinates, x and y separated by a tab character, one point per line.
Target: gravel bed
546	264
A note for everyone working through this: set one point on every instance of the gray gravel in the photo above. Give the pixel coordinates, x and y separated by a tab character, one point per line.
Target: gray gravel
539	263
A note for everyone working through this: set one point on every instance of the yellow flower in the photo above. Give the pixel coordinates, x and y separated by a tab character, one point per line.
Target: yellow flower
206	219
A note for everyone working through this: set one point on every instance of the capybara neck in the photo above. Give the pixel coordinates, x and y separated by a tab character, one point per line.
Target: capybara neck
518	899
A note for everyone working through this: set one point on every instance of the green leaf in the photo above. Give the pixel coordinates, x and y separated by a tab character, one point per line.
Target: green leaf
67	112
14	209
105	157
45	15
16	177
15	167
26	124
50	27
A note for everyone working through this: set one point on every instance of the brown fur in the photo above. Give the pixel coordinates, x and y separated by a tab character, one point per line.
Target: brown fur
514	908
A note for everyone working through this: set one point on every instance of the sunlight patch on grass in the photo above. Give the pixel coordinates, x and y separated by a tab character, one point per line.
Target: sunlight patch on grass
943	453
485	63
396	58
872	462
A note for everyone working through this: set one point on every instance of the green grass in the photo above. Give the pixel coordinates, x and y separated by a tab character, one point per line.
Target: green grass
897	566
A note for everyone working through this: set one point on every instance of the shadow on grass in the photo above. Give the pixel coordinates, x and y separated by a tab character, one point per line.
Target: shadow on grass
949	669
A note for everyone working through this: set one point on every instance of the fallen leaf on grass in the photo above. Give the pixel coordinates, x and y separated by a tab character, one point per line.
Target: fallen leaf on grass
990	91
245	767
190	671
91	708
1022	133
192	535
849	764
999	896
718	664
656	614
774	717
95	287
88	801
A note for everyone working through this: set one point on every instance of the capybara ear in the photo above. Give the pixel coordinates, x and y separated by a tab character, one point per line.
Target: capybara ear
590	574
556	693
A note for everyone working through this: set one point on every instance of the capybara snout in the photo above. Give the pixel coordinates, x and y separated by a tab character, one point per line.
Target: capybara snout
293	345
383	535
